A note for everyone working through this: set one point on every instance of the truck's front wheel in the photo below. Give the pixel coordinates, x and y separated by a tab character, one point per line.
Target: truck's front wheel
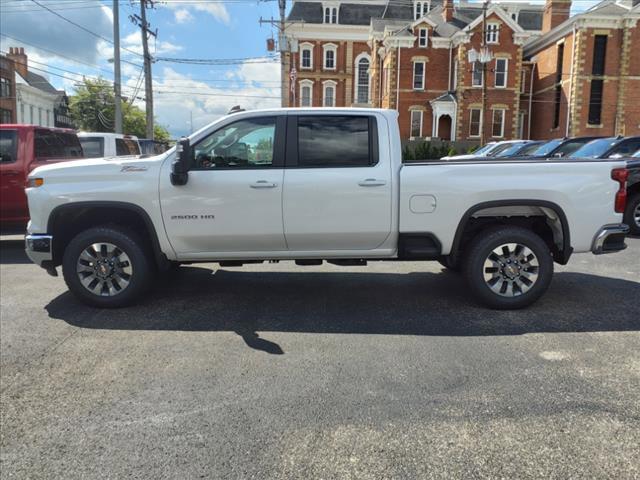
508	267
106	267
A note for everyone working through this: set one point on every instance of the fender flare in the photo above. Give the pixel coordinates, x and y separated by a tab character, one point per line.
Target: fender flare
158	254
566	251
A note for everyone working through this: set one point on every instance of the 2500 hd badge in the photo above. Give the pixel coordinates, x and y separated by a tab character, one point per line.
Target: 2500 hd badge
192	217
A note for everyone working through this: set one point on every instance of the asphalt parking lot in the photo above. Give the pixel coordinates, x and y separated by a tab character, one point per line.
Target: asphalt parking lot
277	371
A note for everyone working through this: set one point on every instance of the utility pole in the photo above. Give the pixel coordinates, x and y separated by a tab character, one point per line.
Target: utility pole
284	49
116	66
141	21
484	74
284	61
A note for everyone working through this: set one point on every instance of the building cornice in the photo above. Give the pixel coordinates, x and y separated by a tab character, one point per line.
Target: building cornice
336	32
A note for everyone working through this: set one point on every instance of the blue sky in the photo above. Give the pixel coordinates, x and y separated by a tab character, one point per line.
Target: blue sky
186	29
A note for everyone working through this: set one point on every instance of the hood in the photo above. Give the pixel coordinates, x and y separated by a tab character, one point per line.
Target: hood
98	166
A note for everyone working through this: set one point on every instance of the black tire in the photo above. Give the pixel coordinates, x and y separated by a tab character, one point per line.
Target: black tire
450	264
480	250
633	203
139	281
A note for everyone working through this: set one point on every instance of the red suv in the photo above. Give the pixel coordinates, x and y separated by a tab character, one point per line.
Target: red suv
23	148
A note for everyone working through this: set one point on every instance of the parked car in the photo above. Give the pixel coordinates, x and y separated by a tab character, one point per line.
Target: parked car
632	212
23	148
609	147
309	185
560	147
99	144
491	149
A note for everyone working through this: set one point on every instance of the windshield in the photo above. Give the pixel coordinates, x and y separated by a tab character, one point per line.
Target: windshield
56	144
636	155
512	149
530	148
570	146
595	148
93	147
482	150
546	148
498	148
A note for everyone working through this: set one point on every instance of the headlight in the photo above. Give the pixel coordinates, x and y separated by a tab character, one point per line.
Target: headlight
35	182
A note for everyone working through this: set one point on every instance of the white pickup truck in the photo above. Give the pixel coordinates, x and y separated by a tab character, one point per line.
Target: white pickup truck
314	185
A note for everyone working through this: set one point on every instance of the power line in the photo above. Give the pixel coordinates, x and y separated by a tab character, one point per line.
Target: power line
97	35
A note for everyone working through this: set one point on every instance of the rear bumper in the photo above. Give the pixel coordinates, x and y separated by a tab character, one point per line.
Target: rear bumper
39	249
610	238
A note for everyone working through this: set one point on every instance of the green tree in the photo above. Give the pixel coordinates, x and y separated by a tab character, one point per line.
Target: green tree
92	109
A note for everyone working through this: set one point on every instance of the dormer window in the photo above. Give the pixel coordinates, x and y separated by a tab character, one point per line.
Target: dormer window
492	32
420	9
330	14
422	37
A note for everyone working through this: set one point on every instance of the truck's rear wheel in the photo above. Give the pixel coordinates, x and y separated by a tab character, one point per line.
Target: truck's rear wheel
632	214
508	267
106	267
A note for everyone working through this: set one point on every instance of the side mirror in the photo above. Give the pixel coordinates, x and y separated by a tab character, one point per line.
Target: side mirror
182	163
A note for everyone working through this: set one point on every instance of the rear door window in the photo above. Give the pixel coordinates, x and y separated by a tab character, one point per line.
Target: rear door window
52	144
626	148
335	141
93	147
8	146
126	146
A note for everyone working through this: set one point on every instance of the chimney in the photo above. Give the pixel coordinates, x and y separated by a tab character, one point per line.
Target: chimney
555	12
19	59
447	10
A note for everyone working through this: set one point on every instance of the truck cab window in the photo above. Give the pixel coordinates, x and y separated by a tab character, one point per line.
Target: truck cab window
126	146
334	141
242	144
93	147
8	146
54	144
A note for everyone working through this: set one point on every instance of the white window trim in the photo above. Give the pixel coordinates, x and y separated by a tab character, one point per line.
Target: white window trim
426	37
506	73
331	7
424	74
493	115
471	110
523	81
306	46
357	77
305	83
419	9
329	47
481	84
325	84
411	112
496	31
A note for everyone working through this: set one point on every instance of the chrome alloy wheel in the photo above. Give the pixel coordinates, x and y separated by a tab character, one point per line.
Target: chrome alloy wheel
104	269
636	215
511	270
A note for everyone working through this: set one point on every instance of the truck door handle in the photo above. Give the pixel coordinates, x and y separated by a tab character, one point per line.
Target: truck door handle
263	184
372	182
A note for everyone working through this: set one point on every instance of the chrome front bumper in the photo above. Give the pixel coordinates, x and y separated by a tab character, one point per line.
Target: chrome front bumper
39	249
610	238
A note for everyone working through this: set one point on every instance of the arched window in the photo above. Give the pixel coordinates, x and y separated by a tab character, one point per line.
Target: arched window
362	79
329	93
306	93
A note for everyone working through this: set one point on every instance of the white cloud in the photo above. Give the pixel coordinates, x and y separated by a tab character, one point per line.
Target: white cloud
216	10
177	97
183	16
133	43
35	26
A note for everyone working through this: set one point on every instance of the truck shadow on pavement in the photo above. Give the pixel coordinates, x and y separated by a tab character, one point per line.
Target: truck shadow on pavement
12	252
436	304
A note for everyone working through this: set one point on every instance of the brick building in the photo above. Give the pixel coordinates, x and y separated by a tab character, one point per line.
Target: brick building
416	57
7	90
586	71
413	56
